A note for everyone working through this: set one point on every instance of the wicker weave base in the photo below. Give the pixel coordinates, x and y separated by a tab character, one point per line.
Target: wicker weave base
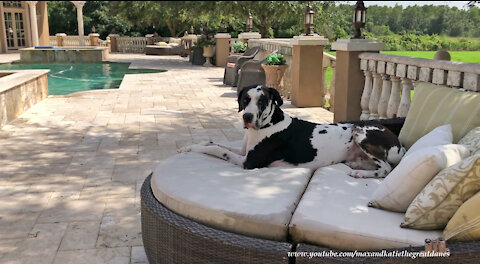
169	238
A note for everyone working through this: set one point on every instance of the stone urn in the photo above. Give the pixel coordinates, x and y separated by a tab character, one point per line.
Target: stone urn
274	75
208	53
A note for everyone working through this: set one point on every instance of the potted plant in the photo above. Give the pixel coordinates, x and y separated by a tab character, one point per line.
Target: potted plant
239	47
275	66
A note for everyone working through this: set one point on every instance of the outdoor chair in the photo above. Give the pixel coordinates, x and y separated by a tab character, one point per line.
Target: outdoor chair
251	73
235	62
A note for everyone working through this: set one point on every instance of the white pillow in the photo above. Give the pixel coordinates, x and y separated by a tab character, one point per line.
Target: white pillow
441	135
412	174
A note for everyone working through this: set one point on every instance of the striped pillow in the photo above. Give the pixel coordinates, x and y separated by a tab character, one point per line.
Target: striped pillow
436	105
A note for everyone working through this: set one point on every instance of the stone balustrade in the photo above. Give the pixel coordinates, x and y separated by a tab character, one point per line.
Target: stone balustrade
284	46
389	80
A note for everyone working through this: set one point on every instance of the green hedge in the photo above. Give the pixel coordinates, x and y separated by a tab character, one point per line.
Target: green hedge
412	42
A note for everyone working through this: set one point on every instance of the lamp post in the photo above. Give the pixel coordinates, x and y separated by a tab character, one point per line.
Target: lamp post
191	30
309	21
249	22
222	25
359	18
94	30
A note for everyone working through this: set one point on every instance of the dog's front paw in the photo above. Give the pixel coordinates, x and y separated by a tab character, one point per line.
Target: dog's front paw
184	149
359	174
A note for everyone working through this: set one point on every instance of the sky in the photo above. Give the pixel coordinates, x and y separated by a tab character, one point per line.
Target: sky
458	4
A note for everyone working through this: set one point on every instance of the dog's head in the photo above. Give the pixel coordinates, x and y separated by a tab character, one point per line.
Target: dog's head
260	105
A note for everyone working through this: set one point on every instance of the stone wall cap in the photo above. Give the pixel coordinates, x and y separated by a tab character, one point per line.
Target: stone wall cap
94	34
61	35
149	35
358	45
313	40
114	35
249	35
223	35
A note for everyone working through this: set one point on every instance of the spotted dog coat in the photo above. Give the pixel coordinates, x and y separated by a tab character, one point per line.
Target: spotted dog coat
273	138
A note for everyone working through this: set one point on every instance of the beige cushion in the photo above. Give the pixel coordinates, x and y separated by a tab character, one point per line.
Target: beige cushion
412	174
441	135
465	223
440	199
256	202
472	141
435	105
333	212
231	65
175	40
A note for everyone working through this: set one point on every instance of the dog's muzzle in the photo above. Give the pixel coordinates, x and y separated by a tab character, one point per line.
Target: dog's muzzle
248	120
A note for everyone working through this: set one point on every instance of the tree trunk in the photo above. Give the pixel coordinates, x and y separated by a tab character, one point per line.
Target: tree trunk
171	28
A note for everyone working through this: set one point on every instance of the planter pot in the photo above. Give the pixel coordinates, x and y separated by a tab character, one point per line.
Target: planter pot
274	75
208	51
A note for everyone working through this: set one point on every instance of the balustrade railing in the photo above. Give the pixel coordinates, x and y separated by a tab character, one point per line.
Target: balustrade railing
53	40
284	47
131	44
390	79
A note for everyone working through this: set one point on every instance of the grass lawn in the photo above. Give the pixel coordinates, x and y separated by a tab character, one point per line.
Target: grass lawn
463	56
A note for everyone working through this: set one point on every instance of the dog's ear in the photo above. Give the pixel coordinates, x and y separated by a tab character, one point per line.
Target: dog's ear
239	100
275	96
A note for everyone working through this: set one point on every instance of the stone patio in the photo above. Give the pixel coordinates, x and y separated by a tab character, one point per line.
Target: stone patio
72	166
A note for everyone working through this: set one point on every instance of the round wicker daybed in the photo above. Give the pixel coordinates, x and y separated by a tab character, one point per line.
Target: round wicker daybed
171	238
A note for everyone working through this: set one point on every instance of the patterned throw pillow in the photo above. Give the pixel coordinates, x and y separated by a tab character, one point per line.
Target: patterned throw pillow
439	200
436	105
472	141
465	223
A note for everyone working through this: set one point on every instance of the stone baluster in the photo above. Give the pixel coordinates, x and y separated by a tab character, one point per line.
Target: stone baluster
407	86
385	96
394	100
367	92
375	97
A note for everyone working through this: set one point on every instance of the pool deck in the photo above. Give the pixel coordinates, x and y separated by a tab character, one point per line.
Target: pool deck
71	167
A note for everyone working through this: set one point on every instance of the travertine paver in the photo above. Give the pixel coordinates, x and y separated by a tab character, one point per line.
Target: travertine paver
71	167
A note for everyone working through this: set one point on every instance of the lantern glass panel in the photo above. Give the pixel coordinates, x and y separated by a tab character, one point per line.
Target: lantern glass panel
364	14
358	17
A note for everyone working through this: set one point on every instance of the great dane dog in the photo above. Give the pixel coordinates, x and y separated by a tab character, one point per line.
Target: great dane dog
273	138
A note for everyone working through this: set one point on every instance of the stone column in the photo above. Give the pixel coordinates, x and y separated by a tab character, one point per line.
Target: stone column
306	70
43	32
113	42
350	79
32	5
79	5
60	39
245	36
222	48
94	39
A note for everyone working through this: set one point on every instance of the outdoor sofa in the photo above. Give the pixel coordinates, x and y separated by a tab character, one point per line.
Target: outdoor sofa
173	47
200	209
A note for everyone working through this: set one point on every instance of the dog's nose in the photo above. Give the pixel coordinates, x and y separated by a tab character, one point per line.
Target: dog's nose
248	118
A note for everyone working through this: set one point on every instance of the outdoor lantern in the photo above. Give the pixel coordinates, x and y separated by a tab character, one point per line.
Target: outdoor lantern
249	22
94	30
359	18
191	30
222	25
309	20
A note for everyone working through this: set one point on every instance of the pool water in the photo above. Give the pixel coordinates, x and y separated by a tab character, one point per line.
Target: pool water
66	78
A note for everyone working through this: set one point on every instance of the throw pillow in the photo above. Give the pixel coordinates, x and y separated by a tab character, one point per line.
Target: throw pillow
441	135
472	141
465	223
435	105
413	172
440	199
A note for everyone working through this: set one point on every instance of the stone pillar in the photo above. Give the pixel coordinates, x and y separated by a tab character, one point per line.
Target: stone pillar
149	39
32	5
60	39
245	36
350	79
94	39
43	32
79	5
306	70
222	48
113	42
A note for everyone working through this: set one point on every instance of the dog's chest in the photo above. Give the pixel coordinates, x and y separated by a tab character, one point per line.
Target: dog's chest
254	137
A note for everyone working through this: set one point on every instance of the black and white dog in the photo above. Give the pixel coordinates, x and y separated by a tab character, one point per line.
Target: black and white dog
275	139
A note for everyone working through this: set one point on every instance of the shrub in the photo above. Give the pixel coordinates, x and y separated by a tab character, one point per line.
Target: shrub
275	59
239	47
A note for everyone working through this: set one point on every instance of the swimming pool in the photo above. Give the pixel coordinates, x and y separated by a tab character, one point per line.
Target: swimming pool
66	78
